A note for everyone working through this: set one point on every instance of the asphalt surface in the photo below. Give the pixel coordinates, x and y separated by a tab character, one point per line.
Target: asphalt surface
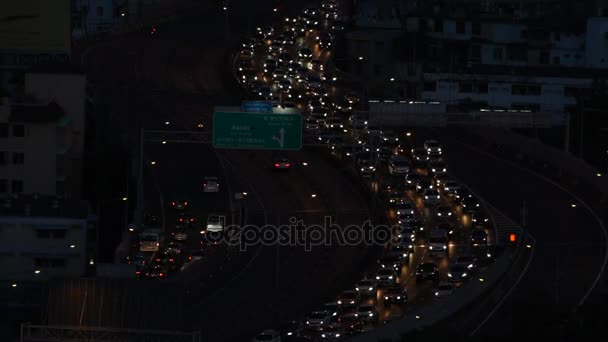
568	252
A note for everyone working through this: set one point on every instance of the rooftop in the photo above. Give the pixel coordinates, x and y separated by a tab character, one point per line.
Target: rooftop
42	206
36	113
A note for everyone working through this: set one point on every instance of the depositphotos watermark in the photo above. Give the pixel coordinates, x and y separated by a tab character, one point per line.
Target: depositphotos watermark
296	233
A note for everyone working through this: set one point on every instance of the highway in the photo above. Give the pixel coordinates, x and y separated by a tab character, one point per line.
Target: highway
569	250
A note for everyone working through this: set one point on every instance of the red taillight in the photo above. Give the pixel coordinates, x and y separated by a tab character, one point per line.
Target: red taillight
137	272
157	244
276	165
185	203
287	165
181	220
157	259
191	220
161	274
173	204
190	258
171	260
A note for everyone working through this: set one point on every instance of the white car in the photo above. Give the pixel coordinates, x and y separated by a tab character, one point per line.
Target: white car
431	197
318	320
267	336
215	223
211	185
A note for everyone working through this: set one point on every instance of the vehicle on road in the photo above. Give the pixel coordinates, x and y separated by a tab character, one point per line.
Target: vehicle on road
443	212
392	262
215	223
432	147
281	163
318	320
427	271
348	298
405	207
150	240
431	197
420	155
333	332
458	273
395	295
366	288
438	242
267	336
398	165
386	277
367	312
479	237
211	184
444	289
179	205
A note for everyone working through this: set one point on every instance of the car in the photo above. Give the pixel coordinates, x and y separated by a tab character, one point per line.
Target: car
348	298
438	242
405	218
316	65
432	147
469	204
411	179
175	247
285	58
318	320
249	43
290	329
479	237
458	273
444	212
266	32
267	336
395	295
420	155
333	332
441	179
427	271
313	82
215	223
451	187
389	261
265	92
279	74
334	123
185	219
246	55
366	288
305	54
478	217
395	199
372	130
386	277
333	308
211	184
351	98
367	168
402	250
390	137
462	193
179	205
285	84
405	207
423	185
399	165
367	312
140	260
469	261
270	63
431	197
311	124
405	232
281	163
180	234
444	289
437	168
447	226
156	271
351	324
248	76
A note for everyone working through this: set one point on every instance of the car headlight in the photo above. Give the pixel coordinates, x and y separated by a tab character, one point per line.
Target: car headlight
426	197
439	149
307	322
377	278
436	293
438	214
371	314
449	214
464	275
430	247
390	277
356	288
398	297
385	297
371	289
450	275
323	335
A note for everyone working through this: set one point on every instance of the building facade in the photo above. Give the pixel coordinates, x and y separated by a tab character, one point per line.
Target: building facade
42	137
43	237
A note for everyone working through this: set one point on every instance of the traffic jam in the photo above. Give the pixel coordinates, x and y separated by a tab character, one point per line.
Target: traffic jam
158	255
442	235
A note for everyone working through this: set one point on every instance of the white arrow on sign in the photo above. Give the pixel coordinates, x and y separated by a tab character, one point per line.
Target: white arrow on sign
280	140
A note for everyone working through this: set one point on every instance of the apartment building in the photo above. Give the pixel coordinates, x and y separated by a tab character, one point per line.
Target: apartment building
42	136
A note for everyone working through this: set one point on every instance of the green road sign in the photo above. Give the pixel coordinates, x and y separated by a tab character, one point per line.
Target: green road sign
269	131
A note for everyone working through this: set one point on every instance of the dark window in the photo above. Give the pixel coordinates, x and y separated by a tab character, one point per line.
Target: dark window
378	69
535	107
99	11
460	27
49	262
518	89
3	130
50	233
544	57
438	25
482	88
476	28
533	90
523	89
18	158
475	52
557	36
18	130
3	186
3	158
570	91
465	87
17	186
498	53
524	34
430	86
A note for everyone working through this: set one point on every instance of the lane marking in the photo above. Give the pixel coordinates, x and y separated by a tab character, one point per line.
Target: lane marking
583	203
